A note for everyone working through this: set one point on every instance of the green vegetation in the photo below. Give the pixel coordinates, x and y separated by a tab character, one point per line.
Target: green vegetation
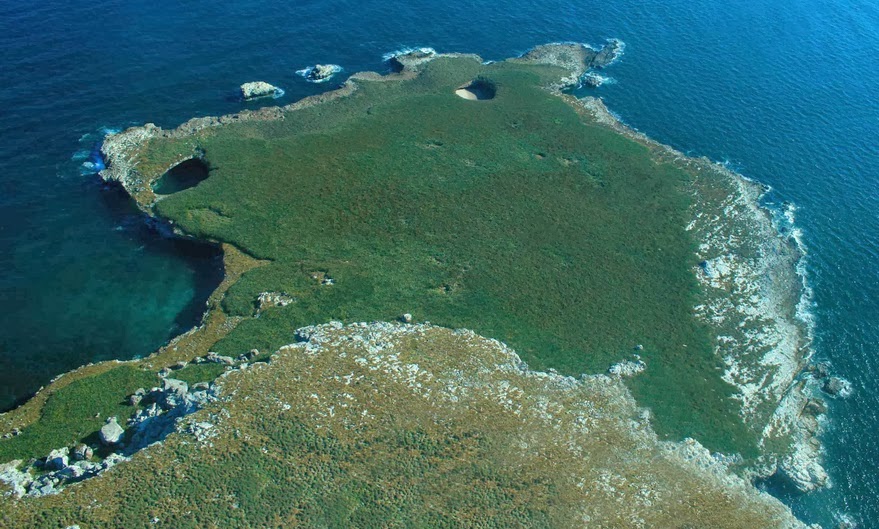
76	412
195	373
520	217
384	426
515	217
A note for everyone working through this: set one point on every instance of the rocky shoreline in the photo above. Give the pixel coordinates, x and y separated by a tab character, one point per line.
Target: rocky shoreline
160	412
787	388
782	396
350	377
118	149
771	289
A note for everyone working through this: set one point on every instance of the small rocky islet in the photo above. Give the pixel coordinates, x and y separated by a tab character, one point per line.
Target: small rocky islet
612	265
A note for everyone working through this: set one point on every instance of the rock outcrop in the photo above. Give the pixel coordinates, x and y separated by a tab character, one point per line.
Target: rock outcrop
410	58
57	459
83	452
628	368
320	73
579	59
164	407
837	387
258	89
111	433
268	300
217	359
31	480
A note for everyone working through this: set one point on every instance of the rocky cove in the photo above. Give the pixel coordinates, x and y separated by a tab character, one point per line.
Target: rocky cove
778	401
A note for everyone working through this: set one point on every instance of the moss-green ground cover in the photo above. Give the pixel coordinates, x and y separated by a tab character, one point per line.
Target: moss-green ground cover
385	426
75	413
527	217
514	216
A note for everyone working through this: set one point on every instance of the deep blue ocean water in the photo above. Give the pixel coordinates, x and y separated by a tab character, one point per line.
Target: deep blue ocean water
784	92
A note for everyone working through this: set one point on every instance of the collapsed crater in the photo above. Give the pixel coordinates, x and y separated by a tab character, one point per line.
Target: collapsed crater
477	90
186	174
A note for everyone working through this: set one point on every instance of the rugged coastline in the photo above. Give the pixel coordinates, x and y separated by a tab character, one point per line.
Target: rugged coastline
769	286
781	399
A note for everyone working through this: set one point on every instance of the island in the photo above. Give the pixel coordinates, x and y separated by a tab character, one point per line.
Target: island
454	295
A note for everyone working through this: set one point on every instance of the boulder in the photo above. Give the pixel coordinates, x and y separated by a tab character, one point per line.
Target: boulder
177	387
837	387
111	461
57	459
627	368
11	434
322	72
173	392
406	318
715	268
218	359
71	472
19	481
83	452
111	433
258	89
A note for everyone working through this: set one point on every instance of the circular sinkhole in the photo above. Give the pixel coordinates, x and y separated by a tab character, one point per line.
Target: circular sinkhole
184	175
477	90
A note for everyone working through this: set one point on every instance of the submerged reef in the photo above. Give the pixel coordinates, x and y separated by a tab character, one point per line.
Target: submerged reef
651	302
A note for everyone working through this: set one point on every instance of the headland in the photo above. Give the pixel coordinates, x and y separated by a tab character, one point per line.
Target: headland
522	213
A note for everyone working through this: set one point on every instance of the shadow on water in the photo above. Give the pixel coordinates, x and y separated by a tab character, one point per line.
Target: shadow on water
158	238
132	321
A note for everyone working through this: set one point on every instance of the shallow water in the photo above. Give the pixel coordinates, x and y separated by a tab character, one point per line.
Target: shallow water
783	92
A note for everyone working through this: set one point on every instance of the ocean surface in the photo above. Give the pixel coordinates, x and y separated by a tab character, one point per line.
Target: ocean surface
784	92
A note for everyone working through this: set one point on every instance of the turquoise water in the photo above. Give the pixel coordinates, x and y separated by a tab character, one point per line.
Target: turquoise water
782	91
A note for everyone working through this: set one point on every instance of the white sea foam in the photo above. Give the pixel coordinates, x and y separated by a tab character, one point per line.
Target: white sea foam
88	155
306	72
594	79
81	154
403	51
621	49
806	303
